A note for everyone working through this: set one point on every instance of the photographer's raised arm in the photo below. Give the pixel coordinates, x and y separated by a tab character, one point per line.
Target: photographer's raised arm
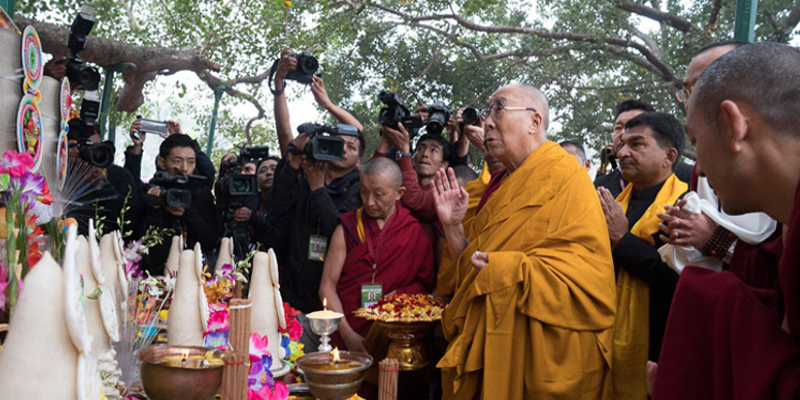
282	123
321	97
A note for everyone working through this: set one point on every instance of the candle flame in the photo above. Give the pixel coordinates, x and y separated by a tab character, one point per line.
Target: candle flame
184	354
325	303
336	354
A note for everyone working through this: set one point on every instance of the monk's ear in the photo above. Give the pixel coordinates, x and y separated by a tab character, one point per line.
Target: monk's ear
536	121
400	192
733	124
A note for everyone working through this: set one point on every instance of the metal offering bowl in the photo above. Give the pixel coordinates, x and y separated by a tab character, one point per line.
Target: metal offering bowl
334	384
324	326
407	343
164	382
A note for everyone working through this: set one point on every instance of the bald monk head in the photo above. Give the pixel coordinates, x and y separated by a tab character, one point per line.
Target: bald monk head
743	116
381	187
515	122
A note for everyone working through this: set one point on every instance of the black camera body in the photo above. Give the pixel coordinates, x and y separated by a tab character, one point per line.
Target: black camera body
101	154
397	112
175	190
438	115
307	66
323	144
471	116
77	70
253	153
234	189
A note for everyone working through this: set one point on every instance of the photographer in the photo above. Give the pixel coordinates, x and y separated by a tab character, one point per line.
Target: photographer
133	154
263	233
101	191
310	194
197	223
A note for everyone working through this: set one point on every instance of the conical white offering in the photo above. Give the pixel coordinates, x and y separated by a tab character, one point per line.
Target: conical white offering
94	319
108	263
39	360
174	258
225	253
266	317
185	322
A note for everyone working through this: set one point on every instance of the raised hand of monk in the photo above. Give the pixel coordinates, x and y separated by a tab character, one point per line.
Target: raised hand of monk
684	228
450	198
615	217
480	259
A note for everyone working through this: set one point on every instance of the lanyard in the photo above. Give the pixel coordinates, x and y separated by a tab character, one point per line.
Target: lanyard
373	253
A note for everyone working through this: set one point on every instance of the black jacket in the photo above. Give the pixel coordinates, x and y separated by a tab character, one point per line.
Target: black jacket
303	213
198	224
133	163
104	199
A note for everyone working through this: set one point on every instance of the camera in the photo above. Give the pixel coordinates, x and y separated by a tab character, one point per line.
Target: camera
157	127
175	190
323	145
101	154
397	112
307	66
471	116
253	153
438	115
77	71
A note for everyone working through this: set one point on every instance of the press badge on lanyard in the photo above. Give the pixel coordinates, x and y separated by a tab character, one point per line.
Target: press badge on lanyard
370	293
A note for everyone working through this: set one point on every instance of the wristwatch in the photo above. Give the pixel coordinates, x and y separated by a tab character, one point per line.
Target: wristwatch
402	155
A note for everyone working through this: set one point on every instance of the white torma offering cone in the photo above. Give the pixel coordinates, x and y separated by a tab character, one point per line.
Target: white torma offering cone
174	258
267	307
187	320
94	319
39	361
108	263
225	253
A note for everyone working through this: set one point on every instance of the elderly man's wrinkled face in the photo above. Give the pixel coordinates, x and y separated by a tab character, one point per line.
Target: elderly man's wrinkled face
379	194
508	135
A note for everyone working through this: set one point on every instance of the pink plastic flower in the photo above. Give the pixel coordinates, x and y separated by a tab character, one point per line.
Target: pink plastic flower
258	346
219	318
16	164
4	282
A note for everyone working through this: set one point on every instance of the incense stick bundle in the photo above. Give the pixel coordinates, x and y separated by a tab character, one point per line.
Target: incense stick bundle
387	379
237	365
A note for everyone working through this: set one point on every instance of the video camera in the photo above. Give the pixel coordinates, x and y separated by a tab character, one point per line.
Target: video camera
438	115
397	112
77	71
175	190
323	145
307	66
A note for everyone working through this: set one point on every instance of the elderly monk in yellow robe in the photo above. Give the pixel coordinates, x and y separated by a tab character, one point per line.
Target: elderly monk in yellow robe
533	318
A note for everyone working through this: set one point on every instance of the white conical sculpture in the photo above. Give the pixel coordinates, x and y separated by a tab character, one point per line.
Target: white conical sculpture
39	360
187	320
225	255
94	319
108	263
174	258
267	307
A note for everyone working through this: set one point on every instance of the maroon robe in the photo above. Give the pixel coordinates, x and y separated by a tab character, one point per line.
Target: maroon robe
404	260
723	338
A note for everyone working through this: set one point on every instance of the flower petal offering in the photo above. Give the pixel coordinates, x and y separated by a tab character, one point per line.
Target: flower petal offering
403	308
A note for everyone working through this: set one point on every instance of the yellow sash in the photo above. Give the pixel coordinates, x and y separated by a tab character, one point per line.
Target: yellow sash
632	326
362	236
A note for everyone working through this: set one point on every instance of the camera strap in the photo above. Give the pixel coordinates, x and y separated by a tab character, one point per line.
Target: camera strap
272	72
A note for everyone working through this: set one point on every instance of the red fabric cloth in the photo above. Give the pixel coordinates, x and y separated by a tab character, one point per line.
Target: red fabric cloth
789	269
404	260
723	342
757	265
491	187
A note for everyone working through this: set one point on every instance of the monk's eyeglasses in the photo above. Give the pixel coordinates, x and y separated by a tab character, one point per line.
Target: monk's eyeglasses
498	109
683	94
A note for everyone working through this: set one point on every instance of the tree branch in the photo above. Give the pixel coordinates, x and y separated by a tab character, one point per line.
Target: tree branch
711	25
649	41
672	20
793	18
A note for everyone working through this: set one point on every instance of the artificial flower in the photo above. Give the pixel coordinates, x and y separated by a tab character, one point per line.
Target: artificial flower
279	392
30	187
260	374
285	345
216	339
258	346
296	351
4	282
16	164
219	318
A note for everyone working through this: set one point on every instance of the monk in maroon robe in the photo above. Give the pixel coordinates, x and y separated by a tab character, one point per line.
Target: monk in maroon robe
377	244
722	339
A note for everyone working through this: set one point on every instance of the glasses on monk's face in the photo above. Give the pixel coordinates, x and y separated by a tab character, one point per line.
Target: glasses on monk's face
683	94
497	110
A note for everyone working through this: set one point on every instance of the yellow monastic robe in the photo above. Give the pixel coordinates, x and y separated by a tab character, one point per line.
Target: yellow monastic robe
631	338
537	321
447	276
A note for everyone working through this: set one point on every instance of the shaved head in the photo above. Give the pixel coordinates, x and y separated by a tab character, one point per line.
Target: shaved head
539	101
387	168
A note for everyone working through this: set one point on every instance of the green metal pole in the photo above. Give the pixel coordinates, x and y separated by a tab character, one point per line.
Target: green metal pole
745	23
217	97
9	6
108	87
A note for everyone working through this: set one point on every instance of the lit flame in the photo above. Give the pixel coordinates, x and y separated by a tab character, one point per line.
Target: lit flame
184	354
325	303
336	354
